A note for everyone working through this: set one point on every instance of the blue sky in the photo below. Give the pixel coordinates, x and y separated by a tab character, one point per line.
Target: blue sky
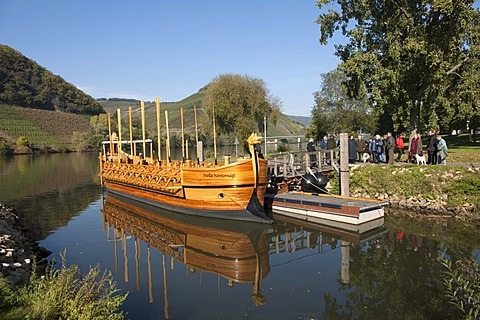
142	49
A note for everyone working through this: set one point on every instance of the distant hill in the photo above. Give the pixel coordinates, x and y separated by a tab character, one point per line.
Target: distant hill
301	119
26	84
285	126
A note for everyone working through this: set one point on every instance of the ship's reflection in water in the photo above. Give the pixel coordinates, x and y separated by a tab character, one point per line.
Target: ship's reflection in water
237	251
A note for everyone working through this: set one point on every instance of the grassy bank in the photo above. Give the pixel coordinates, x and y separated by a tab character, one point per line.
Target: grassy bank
455	188
64	293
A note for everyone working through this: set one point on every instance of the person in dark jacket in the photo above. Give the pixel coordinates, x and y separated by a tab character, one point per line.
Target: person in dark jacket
432	147
360	147
390	147
313	157
377	149
352	150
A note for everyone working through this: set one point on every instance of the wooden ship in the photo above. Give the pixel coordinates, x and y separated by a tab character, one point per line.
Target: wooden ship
238	252
227	190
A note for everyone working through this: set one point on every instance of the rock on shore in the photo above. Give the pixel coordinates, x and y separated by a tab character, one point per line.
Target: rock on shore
18	253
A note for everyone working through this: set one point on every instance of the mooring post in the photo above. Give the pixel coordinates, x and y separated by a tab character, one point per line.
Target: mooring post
344	172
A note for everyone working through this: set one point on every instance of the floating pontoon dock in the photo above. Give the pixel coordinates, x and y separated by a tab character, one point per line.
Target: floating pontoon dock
341	211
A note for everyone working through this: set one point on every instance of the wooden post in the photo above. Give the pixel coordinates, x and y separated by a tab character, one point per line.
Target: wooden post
110	134
132	152
214	137
344	171
119	118
345	269
168	137
142	108
157	101
183	135
196	132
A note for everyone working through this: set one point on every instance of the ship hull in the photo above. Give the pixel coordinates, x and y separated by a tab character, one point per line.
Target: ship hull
231	191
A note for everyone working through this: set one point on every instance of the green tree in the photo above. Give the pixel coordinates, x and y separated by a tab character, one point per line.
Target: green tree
410	56
335	111
240	104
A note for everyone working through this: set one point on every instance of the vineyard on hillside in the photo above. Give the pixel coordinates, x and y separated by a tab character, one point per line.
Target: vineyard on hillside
40	126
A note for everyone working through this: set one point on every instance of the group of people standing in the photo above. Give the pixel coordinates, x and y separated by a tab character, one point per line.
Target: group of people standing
383	149
437	150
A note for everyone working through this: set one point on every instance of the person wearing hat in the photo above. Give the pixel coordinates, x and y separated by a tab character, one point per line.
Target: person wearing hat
313	157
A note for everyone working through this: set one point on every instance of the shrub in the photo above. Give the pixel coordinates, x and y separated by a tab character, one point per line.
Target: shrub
462	286
63	293
22	141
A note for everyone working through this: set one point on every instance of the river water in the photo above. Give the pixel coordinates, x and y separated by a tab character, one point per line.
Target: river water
196	269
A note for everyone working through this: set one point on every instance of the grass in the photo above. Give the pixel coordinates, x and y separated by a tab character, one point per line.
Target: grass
63	294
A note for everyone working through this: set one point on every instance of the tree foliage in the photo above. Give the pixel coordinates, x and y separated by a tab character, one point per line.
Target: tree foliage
335	111
418	60
26	84
240	104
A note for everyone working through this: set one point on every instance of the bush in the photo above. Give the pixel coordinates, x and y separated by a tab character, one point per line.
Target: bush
63	293
22	141
463	286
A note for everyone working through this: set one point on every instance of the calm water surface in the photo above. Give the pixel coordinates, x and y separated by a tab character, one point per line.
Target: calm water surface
196	269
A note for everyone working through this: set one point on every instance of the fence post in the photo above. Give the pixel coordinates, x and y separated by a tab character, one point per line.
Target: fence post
344	172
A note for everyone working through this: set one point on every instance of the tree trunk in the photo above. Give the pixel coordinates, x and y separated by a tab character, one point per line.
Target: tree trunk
415	115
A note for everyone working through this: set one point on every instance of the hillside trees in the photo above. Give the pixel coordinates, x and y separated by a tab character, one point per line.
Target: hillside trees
335	111
26	84
240	104
416	59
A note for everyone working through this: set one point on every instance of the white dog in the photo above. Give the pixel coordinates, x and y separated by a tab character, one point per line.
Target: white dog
365	157
420	159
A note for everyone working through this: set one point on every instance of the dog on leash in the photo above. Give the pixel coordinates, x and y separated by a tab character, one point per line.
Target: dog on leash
420	159
365	157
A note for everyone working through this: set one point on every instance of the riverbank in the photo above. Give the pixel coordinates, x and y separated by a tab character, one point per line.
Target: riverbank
19	254
452	190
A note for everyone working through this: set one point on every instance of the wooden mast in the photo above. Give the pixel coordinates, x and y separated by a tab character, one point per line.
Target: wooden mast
196	131
183	135
168	137
214	136
119	135
157	101
149	266
165	288
142	108
125	256
137	263
110	133
132	152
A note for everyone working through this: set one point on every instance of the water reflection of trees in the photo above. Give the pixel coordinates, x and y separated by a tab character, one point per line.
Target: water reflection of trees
398	275
48	190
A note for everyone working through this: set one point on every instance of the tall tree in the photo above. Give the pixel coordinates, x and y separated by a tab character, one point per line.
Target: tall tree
335	111
240	104
408	55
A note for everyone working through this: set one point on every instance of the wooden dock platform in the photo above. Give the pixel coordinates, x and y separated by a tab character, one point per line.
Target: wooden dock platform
338	211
